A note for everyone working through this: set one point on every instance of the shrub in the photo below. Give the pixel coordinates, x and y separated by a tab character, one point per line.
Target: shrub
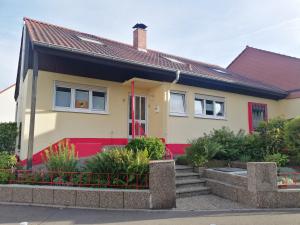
8	135
253	146
292	135
182	160
63	159
280	159
272	134
7	161
245	158
201	150
154	146
118	160
230	142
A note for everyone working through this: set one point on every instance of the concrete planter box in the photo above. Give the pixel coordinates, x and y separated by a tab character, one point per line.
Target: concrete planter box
160	195
199	170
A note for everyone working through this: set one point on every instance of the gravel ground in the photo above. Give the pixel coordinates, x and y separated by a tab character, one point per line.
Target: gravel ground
207	202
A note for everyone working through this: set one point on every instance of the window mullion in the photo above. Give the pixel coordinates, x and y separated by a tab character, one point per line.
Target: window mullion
90	100
72	98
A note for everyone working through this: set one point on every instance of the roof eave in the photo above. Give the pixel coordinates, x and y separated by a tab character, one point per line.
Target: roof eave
228	86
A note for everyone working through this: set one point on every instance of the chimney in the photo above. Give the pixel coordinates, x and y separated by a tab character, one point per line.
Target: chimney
140	37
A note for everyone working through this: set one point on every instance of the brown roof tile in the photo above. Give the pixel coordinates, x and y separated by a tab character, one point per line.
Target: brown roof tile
56	36
271	68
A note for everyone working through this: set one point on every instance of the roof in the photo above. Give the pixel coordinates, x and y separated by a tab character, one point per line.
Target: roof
271	68
56	37
5	89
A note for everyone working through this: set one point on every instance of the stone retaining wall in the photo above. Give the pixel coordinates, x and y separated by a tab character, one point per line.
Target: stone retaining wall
259	189
161	193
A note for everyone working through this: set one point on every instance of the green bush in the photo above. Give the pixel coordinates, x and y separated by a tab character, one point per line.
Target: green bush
118	161
272	134
8	135
154	146
292	135
253	146
182	160
63	159
280	159
245	158
7	161
201	150
230	142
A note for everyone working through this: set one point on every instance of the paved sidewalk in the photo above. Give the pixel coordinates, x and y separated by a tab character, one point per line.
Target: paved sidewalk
207	202
10	214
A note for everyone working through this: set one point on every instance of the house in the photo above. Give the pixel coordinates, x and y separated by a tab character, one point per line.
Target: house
275	69
8	105
96	92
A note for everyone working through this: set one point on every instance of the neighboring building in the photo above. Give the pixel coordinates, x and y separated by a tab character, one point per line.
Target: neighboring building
8	104
275	69
80	86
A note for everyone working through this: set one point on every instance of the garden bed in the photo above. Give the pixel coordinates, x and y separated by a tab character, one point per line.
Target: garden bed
76	179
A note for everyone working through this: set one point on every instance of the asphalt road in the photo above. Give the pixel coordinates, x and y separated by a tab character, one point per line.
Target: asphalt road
10	214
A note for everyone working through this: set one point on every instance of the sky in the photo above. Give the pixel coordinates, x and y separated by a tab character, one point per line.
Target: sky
212	31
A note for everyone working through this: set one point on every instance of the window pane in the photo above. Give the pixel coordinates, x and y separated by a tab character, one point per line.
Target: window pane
137	108
99	100
143	108
63	97
129	102
219	108
82	99
209	104
199	106
177	103
258	114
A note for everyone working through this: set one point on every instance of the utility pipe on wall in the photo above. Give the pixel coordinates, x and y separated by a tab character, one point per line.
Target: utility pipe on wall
132	110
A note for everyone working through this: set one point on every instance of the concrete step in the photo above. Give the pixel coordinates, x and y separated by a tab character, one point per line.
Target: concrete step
190	183
182	168
191	191
186	175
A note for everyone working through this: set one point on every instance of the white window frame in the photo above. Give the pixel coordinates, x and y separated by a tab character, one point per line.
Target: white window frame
211	98
88	88
184	114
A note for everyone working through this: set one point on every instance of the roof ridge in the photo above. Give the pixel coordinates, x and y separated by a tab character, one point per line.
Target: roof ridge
123	43
274	53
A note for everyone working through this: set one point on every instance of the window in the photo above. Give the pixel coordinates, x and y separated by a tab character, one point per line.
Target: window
177	103
209	107
90	40
63	97
173	60
98	100
79	98
256	113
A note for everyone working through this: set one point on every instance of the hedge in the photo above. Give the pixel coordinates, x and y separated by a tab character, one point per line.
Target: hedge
8	135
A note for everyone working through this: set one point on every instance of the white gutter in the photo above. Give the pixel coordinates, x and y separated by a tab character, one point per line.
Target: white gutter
177	77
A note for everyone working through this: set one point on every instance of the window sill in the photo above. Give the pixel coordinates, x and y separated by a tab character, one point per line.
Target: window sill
80	111
210	117
178	114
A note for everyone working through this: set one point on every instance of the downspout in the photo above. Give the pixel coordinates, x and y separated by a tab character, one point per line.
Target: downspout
132	110
177	77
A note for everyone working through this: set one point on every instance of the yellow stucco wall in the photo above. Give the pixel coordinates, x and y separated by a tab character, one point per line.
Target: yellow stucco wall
52	126
8	105
181	129
290	108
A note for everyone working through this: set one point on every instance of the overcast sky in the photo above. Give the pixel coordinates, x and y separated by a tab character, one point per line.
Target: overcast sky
212	31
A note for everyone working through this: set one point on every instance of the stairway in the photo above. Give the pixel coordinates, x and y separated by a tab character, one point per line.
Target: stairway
189	183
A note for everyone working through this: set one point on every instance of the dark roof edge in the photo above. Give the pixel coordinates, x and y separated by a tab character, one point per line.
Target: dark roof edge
200	77
238	56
